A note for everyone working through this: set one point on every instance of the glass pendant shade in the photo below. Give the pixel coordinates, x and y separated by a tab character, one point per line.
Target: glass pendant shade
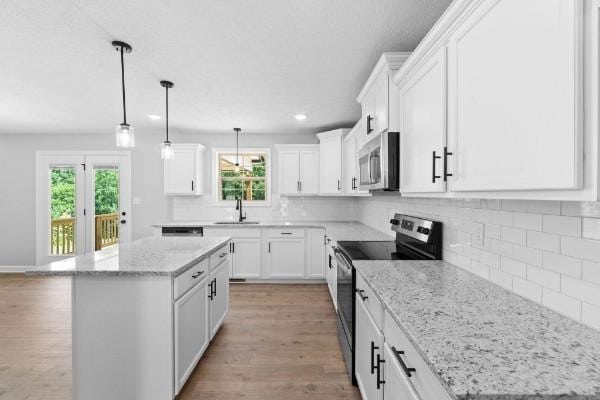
125	135
166	150
236	168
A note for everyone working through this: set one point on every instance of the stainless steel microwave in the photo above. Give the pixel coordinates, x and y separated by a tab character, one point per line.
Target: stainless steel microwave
379	162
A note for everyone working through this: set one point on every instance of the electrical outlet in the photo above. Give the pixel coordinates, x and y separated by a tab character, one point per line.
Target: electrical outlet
477	236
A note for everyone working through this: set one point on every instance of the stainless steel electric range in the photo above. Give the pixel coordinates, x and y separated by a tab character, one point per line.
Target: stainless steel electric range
416	239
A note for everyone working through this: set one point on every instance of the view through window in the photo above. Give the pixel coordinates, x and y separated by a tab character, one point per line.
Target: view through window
248	182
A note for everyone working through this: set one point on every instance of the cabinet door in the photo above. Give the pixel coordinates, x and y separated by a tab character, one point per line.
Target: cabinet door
515	97
381	93
316	253
191	331
331	274
289	172
423	127
349	169
369	342
246	258
397	384
286	258
331	165
180	172
309	172
219	296
369	119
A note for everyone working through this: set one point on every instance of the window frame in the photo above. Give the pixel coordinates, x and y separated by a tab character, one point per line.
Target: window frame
216	152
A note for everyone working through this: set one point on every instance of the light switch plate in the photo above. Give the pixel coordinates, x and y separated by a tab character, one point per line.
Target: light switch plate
477	237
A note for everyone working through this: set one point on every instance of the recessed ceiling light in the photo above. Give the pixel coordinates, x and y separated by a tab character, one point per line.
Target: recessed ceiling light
154	117
300	117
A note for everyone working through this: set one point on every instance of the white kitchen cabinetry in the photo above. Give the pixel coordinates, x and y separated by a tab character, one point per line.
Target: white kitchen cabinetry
397	382
183	173
315	253
218	295
514	121
330	164
503	104
423	126
350	170
298	169
245	250
331	271
374	96
191	331
285	253
369	362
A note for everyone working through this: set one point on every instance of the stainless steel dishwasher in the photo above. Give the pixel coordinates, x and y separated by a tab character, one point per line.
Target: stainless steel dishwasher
182	231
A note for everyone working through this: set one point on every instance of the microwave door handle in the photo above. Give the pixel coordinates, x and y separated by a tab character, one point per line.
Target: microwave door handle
369	169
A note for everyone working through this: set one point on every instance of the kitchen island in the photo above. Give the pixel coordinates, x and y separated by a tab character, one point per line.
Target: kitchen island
143	313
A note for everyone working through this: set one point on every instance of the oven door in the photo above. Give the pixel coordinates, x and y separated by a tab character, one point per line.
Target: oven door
345	299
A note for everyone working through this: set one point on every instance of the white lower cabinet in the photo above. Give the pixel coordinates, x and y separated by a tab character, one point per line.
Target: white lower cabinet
368	355
285	258
331	272
315	253
218	294
246	258
397	382
191	331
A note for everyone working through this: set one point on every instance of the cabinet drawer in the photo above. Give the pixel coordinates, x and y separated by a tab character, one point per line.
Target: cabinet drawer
189	278
285	233
220	255
424	381
231	232
370	301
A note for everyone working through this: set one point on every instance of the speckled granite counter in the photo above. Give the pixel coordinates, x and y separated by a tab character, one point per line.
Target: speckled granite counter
485	342
337	231
148	256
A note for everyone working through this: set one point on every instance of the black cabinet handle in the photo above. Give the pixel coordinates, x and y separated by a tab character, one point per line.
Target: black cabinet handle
406	369
369	128
233	246
330	258
222	255
213	287
286	233
360	293
433	175
446	154
192	186
197	274
379	380
373	348
354	183
269	247
339	184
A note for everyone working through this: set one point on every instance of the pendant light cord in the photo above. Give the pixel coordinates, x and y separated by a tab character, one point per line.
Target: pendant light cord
167	104
237	147
123	86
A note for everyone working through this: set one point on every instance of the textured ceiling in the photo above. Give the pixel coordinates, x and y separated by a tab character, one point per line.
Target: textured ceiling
247	63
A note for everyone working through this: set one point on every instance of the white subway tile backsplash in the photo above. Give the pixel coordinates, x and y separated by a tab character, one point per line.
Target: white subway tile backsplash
563	264
544	277
590	315
569	226
543	241
588	292
547	251
513	267
581	248
513	235
527	289
591	272
591	228
562	303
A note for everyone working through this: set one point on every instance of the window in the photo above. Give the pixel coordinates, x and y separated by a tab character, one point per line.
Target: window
250	182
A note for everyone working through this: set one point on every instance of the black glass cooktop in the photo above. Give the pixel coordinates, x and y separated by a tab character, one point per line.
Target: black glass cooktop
377	251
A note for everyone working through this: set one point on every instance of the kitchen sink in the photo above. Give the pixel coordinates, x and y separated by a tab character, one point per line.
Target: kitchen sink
236	222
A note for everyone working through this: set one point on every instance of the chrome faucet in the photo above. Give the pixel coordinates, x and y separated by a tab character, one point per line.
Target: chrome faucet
238	206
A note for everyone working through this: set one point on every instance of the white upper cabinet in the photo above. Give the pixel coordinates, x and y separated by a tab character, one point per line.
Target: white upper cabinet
350	170
182	173
330	180
298	169
514	97
422	100
374	96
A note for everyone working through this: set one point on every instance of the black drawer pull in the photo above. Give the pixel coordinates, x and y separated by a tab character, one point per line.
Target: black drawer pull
222	255
373	348
406	369
197	274
287	233
360	293
213	287
433	175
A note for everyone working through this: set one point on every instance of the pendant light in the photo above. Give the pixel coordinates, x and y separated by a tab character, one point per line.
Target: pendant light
237	150
166	151
124	131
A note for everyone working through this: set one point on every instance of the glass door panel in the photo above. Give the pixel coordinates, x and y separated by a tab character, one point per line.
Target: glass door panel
106	207
63	210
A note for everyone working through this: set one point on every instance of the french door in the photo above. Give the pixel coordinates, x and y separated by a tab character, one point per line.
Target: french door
83	202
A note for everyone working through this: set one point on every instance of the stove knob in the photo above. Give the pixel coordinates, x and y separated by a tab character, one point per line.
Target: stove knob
420	229
425	231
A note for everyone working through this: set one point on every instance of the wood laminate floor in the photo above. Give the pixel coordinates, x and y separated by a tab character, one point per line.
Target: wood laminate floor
278	342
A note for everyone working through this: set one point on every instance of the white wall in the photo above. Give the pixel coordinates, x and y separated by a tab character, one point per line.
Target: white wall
547	251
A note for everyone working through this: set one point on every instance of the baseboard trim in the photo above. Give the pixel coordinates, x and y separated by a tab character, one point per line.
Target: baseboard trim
12	269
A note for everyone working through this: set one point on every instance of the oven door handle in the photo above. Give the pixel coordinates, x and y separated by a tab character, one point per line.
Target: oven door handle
343	260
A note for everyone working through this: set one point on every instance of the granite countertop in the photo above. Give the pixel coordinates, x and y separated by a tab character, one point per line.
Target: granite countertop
337	231
483	341
169	256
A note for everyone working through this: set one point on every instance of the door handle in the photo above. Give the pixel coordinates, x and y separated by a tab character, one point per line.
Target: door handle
369	128
433	175
123	221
